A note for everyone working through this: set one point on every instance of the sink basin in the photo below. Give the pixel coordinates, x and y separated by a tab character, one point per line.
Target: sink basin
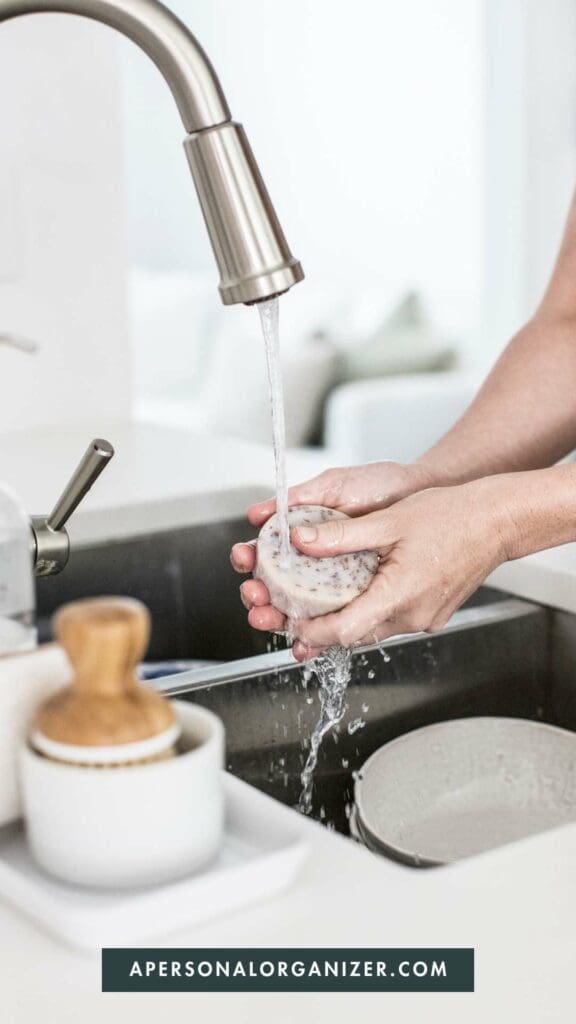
497	656
184	577
490	660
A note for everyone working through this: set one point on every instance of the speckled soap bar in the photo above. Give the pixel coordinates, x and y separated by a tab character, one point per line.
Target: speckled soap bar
311	586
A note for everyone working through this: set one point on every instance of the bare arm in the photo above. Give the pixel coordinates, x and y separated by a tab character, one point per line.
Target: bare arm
436	547
524	416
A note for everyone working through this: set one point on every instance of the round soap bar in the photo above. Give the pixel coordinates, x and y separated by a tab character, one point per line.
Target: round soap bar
311	586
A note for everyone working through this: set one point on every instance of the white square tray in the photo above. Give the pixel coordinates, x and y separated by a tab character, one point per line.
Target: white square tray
263	848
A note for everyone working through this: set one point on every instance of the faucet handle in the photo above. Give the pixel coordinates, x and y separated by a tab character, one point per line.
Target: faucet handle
95	459
51	547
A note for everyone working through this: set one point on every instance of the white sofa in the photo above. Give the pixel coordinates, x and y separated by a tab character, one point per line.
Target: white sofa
394	418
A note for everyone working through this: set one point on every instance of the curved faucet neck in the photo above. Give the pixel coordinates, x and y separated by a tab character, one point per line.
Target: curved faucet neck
251	252
159	33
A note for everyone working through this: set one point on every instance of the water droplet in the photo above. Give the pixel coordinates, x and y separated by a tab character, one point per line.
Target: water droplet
385	656
355	725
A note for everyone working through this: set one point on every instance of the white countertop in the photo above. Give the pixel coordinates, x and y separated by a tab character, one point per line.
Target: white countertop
516	906
548	577
159	477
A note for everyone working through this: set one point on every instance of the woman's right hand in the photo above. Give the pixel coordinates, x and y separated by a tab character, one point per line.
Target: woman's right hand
355	490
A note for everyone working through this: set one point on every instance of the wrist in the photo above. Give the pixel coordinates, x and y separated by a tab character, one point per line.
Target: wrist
433	471
502	511
528	511
420	477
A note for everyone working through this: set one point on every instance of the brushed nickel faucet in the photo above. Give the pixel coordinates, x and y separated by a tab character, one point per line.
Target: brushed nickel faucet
251	251
50	541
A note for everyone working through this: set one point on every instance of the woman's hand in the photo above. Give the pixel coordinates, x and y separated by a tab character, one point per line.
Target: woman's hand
356	491
436	547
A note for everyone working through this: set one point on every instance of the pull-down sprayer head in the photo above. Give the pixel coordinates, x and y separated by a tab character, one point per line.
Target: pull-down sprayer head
252	254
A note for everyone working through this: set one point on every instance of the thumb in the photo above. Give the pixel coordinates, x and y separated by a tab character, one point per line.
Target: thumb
342	536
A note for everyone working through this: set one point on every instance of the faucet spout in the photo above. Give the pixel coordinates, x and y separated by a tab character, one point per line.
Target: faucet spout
251	251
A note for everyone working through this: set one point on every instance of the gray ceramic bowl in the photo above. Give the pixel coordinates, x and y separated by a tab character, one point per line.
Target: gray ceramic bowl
454	789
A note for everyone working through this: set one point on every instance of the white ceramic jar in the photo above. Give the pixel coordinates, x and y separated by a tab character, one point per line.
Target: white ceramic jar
129	826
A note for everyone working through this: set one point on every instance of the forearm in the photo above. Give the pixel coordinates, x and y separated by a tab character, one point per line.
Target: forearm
436	547
524	416
532	510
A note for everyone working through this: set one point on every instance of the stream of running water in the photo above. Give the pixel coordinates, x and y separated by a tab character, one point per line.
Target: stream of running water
270	330
332	667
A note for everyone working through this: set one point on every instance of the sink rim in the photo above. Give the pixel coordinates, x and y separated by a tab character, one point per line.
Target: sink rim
278	661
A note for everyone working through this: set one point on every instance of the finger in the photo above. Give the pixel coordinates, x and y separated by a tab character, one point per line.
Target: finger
324	489
254	594
363	616
341	536
303	653
258	514
243	557
267	618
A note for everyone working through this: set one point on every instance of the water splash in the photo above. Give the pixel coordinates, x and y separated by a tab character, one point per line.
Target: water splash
385	656
332	668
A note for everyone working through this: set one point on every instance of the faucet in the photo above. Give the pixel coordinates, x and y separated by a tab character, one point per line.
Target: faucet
251	251
252	255
50	543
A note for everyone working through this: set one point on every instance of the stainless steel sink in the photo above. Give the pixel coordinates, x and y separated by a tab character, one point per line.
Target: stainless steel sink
491	659
497	656
185	578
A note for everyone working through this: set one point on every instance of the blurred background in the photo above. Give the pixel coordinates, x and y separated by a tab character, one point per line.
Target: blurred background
421	158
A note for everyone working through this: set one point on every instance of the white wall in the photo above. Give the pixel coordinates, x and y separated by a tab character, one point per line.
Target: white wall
530	153
367	120
62	241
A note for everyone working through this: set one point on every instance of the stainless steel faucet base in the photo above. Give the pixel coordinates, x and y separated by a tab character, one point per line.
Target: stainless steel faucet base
50	548
253	257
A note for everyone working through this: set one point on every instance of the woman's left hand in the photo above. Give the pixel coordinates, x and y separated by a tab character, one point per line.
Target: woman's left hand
436	547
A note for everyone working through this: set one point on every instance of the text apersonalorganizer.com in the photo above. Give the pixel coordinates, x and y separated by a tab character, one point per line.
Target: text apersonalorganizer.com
284	969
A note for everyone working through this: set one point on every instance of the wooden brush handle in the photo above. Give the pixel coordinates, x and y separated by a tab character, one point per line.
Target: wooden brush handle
104	639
